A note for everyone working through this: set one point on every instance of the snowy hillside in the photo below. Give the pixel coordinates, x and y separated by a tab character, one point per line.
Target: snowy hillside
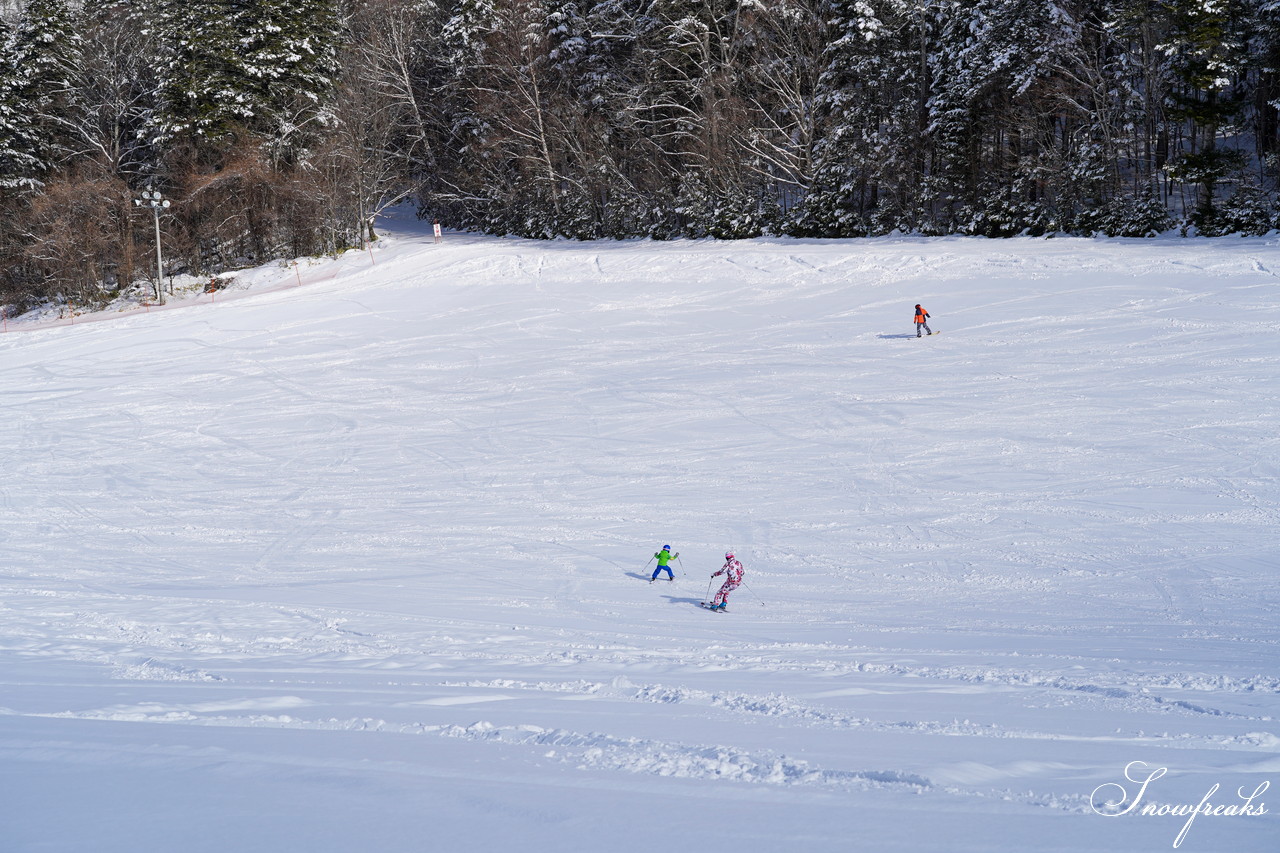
355	558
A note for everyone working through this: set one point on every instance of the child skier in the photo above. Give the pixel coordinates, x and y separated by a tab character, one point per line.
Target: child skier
921	316
664	557
732	570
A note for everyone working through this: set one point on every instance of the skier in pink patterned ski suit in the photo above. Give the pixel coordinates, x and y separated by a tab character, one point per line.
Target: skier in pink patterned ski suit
732	570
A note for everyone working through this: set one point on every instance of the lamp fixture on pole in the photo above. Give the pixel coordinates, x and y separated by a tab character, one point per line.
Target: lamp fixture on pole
152	198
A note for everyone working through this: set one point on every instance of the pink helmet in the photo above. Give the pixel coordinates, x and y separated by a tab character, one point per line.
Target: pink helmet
728	555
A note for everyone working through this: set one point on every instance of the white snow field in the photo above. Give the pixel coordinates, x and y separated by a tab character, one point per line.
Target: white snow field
355	558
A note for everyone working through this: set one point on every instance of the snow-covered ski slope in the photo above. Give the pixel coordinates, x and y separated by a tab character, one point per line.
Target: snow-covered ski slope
359	564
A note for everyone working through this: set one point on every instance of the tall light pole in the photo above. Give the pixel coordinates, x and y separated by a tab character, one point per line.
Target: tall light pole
152	198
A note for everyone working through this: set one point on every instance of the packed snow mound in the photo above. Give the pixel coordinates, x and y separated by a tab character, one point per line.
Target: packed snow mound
354	553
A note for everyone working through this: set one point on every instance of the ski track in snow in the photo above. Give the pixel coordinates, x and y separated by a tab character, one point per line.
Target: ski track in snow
387	529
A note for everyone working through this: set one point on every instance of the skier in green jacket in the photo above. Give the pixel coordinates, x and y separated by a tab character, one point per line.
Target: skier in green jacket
664	557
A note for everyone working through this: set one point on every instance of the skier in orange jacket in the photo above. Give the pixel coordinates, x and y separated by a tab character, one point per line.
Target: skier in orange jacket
921	316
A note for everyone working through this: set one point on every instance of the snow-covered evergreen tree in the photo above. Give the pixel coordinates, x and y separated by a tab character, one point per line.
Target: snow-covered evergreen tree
288	55
869	102
1205	42
607	77
1249	211
263	67
19	162
41	60
994	111
1266	84
200	93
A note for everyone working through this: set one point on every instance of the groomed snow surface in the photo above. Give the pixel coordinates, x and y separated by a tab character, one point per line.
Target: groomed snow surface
354	559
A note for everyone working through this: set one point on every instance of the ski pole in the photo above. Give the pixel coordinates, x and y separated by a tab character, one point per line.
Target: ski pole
753	592
681	562
706	598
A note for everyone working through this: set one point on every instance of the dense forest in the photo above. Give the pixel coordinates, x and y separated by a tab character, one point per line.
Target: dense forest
278	128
